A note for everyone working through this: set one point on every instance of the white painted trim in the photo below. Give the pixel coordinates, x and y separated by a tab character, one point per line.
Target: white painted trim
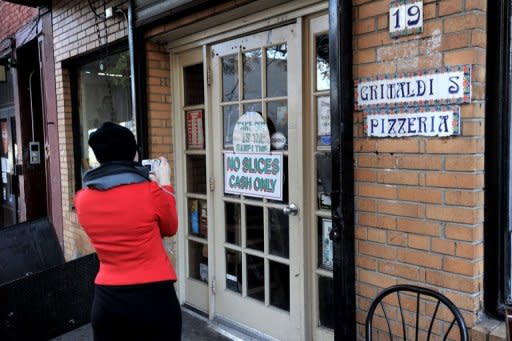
191	291
262	20
179	172
210	175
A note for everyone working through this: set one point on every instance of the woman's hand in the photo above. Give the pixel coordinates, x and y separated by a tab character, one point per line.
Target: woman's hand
161	172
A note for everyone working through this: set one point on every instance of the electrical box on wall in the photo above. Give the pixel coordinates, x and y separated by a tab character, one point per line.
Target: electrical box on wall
35	153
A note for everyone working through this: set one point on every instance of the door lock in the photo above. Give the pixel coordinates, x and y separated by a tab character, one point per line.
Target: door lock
291	209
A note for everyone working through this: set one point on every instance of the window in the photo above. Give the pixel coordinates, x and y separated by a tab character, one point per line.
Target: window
101	93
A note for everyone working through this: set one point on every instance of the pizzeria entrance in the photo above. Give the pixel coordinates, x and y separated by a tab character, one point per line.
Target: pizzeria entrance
254	249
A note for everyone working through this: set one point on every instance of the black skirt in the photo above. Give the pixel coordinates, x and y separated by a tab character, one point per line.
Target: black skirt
136	312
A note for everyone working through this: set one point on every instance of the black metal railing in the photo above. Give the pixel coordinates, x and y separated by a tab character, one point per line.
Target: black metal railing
49	303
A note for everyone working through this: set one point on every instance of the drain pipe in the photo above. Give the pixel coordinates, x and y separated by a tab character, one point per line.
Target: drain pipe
31	104
131	47
342	197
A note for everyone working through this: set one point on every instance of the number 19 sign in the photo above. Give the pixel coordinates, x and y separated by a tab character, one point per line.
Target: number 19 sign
405	17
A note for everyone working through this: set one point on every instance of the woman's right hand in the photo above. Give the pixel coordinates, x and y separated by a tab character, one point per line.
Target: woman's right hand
162	172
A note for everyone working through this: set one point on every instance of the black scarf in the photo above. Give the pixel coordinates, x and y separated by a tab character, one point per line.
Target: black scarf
115	173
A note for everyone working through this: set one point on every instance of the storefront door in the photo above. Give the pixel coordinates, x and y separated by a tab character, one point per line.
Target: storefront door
259	253
255	261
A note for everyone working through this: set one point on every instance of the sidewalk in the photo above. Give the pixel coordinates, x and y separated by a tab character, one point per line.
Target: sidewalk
195	328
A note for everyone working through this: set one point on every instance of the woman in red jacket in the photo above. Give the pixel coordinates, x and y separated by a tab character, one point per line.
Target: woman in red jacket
125	215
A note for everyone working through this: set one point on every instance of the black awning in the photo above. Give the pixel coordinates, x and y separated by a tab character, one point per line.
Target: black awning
31	3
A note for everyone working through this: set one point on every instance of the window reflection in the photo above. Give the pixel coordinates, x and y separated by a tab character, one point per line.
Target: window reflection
280	285
279	233
234	271
322	63
326	303
230	78
103	95
256	278
193	84
256	107
277	68
254	222
278	123
230	118
252	74
233	230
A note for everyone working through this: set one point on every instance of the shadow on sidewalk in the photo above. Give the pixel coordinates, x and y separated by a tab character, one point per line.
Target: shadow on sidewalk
195	328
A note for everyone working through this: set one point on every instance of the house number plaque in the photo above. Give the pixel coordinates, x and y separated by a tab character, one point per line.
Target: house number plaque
405	17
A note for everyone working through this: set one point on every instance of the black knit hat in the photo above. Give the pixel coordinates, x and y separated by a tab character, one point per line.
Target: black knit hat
112	142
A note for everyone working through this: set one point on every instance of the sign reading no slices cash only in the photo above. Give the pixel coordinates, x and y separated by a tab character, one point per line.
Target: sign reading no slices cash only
255	175
252	170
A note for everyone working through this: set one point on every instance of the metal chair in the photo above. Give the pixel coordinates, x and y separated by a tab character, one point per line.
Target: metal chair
508	322
417	308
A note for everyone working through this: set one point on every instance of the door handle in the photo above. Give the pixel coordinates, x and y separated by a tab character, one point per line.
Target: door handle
291	209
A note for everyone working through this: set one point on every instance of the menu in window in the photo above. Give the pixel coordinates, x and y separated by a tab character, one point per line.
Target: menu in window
195	131
324	121
326	244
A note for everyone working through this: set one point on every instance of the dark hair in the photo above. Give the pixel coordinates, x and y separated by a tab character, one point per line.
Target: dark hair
113	142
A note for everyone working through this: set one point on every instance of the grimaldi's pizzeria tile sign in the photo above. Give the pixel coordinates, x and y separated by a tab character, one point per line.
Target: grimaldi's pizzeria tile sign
424	103
251	169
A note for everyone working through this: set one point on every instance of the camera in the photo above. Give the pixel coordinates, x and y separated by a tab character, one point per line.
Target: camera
151	164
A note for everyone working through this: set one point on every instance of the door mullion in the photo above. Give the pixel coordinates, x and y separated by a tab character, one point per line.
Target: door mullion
243	227
266	250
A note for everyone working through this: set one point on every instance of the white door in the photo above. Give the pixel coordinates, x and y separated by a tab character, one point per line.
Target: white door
259	250
192	191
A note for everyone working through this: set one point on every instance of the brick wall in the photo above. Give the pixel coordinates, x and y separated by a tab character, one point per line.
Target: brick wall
160	121
14	17
74	34
419	201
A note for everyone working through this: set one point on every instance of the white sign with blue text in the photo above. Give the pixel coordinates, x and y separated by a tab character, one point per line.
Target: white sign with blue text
405	17
431	123
448	85
255	175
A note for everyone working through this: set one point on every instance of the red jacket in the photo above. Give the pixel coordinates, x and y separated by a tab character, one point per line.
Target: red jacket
125	225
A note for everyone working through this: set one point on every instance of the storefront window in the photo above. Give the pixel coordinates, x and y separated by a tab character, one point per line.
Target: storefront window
8	154
103	94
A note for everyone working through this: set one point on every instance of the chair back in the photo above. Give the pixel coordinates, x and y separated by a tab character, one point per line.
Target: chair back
423	313
508	322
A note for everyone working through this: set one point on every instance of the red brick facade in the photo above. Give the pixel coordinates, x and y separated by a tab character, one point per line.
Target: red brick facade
13	17
419	201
